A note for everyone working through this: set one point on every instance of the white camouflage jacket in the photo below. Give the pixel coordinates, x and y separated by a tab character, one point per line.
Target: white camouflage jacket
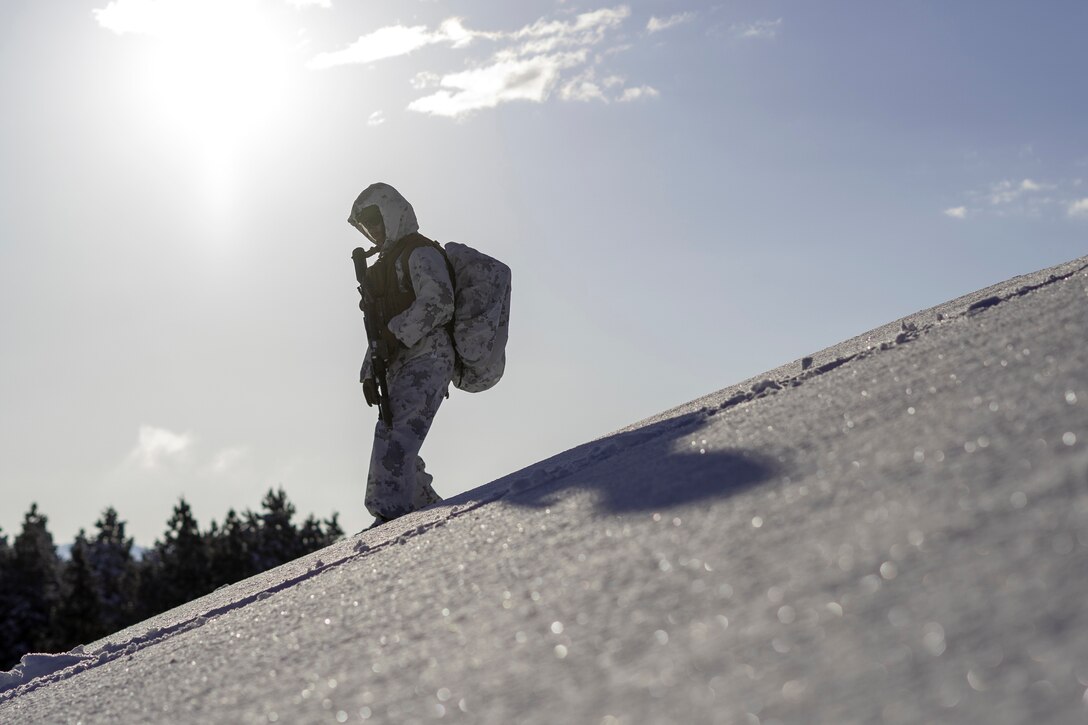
422	327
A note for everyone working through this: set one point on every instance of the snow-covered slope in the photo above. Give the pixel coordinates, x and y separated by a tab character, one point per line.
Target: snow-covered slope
894	532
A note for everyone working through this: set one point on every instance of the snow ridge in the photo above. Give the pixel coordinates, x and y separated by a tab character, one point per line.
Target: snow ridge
909	332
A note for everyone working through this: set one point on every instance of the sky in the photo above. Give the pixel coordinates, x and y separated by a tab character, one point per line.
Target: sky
687	193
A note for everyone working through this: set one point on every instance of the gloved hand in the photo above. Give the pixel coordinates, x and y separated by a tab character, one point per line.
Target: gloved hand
370	391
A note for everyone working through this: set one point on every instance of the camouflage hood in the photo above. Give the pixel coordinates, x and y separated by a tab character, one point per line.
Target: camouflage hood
397	213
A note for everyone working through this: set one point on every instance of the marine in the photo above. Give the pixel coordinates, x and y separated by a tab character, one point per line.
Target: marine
417	349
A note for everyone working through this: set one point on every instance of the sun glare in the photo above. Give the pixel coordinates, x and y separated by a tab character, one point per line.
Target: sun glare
217	76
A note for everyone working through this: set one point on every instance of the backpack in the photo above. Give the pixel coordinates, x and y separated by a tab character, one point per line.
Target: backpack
481	319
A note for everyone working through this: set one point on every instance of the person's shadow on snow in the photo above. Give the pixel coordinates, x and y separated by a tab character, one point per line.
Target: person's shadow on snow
659	466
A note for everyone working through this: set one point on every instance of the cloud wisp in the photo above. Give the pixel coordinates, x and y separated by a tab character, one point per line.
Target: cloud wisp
758	30
587	29
529	64
639	92
530	79
156	446
586	87
656	24
1024	198
227	460
162	450
396	40
1006	192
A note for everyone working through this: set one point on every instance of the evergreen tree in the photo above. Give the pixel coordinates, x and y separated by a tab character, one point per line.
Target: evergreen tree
115	572
333	531
251	526
150	599
230	548
182	561
8	655
311	537
79	615
279	540
315	535
33	584
47	605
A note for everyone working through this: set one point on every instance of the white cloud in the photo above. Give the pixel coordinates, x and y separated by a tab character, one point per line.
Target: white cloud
657	24
760	29
544	37
299	4
156	445
529	64
529	67
395	40
375	119
1078	208
956	212
531	79
634	94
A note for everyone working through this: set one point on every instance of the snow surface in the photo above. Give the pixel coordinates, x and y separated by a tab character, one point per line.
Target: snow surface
894	531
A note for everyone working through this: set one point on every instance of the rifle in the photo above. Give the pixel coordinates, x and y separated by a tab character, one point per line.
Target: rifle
375	344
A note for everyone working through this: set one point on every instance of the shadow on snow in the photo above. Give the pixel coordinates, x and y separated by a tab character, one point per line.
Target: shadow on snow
651	468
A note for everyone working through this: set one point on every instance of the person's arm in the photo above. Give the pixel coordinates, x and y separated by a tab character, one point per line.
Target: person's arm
367	371
433	306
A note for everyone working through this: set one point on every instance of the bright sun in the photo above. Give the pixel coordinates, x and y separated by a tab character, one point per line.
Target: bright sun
217	73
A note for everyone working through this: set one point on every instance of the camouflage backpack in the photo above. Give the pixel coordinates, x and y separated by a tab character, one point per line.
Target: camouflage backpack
481	318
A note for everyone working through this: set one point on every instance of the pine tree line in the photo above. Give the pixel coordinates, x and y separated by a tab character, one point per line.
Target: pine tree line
51	605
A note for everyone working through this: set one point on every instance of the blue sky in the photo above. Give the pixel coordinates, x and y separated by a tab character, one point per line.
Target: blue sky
688	194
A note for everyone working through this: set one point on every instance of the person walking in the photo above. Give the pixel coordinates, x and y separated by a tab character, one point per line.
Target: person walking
411	302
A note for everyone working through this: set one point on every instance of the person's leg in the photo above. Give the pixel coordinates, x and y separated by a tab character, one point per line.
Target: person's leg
425	494
416	390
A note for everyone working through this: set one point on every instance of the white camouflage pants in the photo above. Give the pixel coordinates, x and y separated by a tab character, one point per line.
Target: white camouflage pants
398	482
